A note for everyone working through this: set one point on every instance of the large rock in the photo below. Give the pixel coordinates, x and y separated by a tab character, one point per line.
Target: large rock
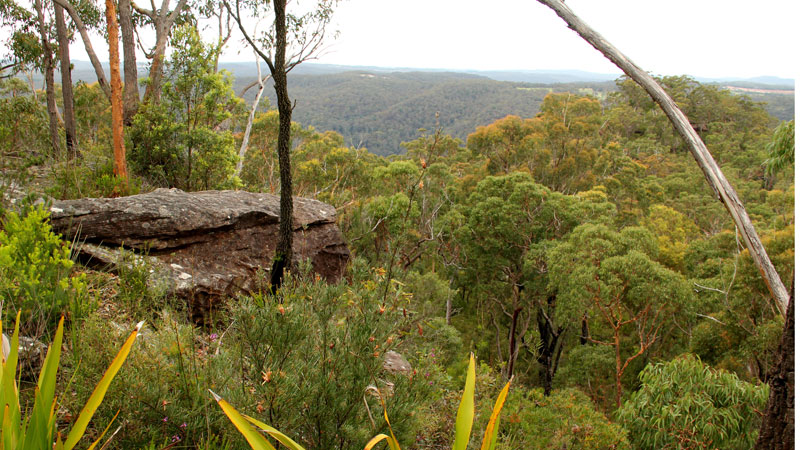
205	245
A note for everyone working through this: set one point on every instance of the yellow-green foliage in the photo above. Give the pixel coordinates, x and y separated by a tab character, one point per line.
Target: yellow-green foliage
35	272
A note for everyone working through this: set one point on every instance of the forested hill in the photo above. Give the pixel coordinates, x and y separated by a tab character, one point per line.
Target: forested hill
380	110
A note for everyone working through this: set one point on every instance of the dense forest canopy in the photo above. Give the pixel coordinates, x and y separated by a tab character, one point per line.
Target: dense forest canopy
565	236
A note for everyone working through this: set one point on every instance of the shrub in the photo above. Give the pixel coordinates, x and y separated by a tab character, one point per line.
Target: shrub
309	355
686	404
35	273
161	397
565	419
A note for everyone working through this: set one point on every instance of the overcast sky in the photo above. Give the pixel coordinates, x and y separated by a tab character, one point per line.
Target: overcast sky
702	38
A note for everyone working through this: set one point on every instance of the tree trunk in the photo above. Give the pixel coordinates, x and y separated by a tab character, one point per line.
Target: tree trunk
120	166
66	84
87	43
722	189
777	427
512	343
49	77
551	345
130	96
152	92
249	127
619	369
283	252
163	19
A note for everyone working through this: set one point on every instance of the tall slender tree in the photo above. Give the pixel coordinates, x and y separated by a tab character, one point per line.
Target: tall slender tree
66	82
290	40
49	75
120	166
130	96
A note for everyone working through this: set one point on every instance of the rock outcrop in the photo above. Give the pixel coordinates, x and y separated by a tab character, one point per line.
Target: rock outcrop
202	245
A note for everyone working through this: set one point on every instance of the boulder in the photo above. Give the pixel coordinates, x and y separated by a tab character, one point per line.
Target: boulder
394	362
201	246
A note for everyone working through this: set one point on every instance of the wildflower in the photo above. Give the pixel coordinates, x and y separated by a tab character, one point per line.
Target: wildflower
213	337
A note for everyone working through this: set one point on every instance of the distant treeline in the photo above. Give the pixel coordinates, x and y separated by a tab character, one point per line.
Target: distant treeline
378	110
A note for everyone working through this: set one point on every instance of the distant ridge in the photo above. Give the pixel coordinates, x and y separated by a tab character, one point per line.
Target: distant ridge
381	107
83	71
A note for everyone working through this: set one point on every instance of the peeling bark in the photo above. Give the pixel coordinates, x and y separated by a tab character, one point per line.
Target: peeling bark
120	166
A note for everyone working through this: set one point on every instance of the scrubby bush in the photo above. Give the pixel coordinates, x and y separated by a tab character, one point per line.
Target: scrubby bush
685	404
565	419
23	119
36	276
309	355
161	396
308	361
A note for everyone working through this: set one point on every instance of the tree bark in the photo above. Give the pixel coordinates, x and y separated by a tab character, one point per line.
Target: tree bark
163	19
87	43
130	96
550	346
512	343
49	77
66	84
722	188
283	252
777	427
120	166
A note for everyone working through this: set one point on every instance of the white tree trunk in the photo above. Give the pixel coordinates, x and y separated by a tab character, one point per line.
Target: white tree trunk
722	188
246	138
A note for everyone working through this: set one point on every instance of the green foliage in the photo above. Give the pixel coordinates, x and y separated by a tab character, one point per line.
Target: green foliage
161	396
309	356
565	419
628	297
177	142
23	119
93	176
685	404
140	291
36	273
781	148
462	429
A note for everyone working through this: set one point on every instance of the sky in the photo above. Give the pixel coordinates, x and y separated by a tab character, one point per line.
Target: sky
702	38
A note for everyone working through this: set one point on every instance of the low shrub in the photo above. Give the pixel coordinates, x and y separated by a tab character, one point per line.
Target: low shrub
36	273
686	404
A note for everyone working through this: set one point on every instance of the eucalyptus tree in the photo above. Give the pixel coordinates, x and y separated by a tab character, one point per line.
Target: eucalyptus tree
291	38
48	68
66	81
631	299
509	224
